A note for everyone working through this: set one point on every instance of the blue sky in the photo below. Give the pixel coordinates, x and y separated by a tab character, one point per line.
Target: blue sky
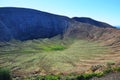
102	10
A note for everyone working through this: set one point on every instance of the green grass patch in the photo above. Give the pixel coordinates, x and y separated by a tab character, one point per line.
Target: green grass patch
53	47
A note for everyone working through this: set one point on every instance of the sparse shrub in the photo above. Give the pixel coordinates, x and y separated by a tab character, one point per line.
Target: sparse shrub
83	77
106	71
80	77
110	64
100	74
5	74
88	76
116	69
51	77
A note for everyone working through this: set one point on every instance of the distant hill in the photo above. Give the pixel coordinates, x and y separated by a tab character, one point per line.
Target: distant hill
92	22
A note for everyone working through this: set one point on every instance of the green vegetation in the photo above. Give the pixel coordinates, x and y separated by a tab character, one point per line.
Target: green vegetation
5	74
116	69
53	47
88	76
113	69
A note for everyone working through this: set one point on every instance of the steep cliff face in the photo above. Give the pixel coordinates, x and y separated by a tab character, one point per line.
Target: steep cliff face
24	24
5	34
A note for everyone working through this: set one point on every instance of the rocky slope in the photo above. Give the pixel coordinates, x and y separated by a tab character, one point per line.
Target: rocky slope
108	35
